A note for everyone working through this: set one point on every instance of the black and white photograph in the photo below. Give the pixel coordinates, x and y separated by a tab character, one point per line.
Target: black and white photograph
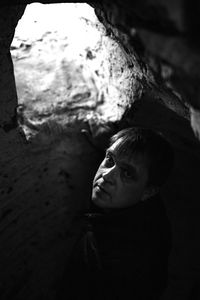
100	150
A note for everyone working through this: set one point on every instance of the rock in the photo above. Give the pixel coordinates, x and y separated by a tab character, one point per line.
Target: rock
71	76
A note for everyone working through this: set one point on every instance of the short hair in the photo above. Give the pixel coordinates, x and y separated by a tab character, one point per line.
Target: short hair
153	145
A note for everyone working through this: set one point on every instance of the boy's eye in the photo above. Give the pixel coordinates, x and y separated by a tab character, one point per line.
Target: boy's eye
127	174
109	161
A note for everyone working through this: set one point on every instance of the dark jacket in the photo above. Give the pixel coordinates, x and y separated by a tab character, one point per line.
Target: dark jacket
121	254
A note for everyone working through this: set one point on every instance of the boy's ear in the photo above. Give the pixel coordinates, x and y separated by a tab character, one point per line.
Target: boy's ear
150	192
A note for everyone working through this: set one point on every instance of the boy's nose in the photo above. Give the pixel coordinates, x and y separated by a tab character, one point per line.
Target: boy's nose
109	175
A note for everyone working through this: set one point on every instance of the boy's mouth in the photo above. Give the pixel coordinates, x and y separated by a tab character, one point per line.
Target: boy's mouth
103	189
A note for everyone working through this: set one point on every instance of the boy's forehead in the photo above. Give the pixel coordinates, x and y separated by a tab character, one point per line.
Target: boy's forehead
126	155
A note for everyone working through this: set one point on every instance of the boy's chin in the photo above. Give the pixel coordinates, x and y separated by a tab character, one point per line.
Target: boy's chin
100	201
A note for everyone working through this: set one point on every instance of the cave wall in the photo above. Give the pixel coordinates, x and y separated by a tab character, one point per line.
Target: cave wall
164	34
41	185
8	90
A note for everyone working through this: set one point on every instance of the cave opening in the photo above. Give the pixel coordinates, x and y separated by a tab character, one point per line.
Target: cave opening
67	68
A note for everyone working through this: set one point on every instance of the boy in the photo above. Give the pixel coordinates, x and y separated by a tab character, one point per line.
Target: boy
123	250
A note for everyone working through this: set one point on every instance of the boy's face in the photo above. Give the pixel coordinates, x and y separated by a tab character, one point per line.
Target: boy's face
120	181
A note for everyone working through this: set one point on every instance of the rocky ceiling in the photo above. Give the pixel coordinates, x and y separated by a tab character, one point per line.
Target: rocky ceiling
41	183
164	34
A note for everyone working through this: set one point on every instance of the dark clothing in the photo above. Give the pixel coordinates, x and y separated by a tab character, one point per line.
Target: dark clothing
122	254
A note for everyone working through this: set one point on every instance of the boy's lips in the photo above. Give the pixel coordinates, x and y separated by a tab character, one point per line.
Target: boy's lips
103	189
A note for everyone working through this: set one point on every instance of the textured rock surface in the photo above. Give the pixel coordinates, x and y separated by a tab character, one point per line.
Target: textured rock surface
8	97
42	184
164	35
69	67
